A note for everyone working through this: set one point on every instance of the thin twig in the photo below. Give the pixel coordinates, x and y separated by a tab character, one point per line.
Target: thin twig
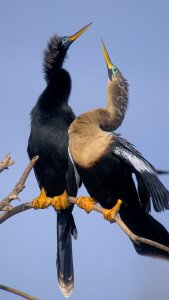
6	162
19	186
131	235
16	210
19	293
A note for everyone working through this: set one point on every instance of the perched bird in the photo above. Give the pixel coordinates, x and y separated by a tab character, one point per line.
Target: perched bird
50	120
106	162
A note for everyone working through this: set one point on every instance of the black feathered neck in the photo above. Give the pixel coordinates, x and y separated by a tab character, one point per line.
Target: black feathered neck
54	56
57	91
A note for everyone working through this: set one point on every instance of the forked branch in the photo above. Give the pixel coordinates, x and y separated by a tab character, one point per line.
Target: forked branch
19	186
6	162
25	206
8	212
135	238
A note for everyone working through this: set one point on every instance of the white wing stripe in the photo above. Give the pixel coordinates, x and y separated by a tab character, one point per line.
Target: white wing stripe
137	163
77	177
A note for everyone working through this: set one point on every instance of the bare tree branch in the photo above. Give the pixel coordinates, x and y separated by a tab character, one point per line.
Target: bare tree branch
9	212
19	186
15	210
6	162
19	293
131	235
135	238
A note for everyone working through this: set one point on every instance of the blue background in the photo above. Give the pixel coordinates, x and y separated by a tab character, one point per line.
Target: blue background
136	34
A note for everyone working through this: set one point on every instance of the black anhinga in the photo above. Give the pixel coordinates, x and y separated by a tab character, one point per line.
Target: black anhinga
105	162
50	120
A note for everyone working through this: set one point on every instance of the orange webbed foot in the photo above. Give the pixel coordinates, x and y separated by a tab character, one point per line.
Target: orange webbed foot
110	214
60	202
85	203
42	201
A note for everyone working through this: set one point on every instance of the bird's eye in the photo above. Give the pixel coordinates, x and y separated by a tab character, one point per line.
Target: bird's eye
64	40
114	70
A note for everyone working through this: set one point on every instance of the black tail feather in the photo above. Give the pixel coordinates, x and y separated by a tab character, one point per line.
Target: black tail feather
65	229
144	225
162	172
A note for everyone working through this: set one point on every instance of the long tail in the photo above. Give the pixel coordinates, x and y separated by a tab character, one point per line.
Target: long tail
65	229
144	225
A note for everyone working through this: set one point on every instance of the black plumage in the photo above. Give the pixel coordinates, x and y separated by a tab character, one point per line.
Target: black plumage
106	163
50	120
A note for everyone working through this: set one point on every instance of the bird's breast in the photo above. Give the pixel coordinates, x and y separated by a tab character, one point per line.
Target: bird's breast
89	149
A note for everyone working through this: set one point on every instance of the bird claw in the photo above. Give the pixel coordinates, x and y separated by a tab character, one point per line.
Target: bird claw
60	202
85	203
42	201
110	214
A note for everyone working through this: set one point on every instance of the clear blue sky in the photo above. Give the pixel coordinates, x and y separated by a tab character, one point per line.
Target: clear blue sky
136	34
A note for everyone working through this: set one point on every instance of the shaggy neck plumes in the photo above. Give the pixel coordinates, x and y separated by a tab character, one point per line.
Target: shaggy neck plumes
53	57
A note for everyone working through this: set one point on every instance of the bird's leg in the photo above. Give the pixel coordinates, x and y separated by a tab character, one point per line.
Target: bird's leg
85	203
110	214
60	202
42	201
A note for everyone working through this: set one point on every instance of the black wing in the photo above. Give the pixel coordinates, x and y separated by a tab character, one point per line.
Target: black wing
146	173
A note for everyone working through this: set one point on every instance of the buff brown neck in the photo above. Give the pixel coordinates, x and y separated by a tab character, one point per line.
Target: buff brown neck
110	118
117	99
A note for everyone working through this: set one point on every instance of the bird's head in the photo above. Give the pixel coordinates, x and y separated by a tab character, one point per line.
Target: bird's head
56	51
113	71
66	41
117	91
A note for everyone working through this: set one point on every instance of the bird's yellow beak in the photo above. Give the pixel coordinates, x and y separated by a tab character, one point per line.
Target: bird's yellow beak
106	56
73	37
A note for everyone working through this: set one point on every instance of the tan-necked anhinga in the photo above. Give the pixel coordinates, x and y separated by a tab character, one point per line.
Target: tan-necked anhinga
50	120
105	162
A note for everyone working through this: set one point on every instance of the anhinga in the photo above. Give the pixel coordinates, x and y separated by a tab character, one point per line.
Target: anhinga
50	120
105	162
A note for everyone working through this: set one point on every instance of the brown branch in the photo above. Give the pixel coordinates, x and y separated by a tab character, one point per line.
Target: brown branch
6	162
19	293
19	186
131	235
16	210
9	212
135	238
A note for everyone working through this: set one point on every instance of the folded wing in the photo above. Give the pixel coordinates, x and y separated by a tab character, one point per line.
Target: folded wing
149	185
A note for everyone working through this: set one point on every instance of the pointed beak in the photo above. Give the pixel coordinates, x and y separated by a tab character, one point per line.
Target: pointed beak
106	56
112	69
72	38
